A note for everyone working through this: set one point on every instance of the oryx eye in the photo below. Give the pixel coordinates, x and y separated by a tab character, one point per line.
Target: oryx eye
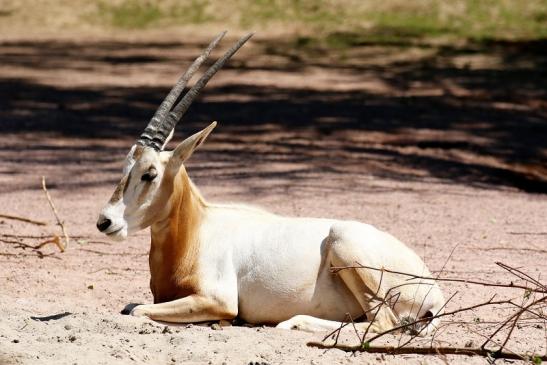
150	175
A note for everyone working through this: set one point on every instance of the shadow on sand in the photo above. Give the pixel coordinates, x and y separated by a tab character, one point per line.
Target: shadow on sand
481	124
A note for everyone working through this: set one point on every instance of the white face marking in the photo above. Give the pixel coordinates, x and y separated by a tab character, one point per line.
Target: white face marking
129	204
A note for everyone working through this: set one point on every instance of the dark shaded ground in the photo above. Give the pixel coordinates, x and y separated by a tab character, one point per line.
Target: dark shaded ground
474	114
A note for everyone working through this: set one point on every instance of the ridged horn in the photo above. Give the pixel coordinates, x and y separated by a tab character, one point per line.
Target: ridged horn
148	137
175	115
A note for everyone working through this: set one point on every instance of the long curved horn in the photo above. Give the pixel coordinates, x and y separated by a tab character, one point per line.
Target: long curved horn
147	138
178	111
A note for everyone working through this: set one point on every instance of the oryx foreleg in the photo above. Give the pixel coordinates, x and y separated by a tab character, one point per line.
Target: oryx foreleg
193	308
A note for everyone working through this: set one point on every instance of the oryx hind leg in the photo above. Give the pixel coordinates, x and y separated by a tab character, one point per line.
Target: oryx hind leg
367	286
314	324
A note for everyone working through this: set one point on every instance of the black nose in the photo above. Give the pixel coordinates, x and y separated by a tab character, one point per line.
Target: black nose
103	224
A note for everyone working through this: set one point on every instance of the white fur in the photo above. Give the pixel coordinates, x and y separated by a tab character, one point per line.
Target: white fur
272	269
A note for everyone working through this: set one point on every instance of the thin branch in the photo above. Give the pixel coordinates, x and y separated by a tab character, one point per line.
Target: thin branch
64	246
443	350
521	274
372	320
429	291
347	323
23	219
420	320
340	328
113	253
7	254
110	268
512	317
99	242
42	236
55	239
354	327
478	333
335	269
14	242
511	329
423	327
525	316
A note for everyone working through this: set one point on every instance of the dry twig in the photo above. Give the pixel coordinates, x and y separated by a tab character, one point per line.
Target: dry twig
441	350
102	253
533	304
62	246
23	219
335	269
7	254
55	239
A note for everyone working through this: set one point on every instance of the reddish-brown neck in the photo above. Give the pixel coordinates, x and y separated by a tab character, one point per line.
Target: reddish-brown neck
175	243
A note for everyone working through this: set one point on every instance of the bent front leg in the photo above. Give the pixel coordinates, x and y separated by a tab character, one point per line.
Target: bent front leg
193	308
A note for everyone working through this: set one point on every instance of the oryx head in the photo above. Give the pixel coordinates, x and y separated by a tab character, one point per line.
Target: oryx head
148	169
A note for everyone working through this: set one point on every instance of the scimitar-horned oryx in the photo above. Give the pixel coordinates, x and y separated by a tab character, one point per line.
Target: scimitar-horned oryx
216	261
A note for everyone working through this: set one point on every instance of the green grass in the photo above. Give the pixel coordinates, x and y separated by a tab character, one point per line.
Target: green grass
342	23
139	14
131	14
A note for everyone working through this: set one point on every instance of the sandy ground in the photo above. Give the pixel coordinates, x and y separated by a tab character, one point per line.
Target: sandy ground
441	146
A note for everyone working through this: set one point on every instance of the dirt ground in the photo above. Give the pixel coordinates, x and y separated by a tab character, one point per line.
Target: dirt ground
441	145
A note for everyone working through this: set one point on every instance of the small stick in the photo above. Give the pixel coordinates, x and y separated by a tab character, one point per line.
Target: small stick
114	269
36	236
521	275
436	314
113	253
17	236
11	241
426	351
100	242
354	327
335	269
372	321
534	308
347	323
23	219
7	254
55	240
429	291
64	246
340	329
512	317
445	314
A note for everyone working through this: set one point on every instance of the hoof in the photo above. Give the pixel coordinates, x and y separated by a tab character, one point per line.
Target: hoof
129	308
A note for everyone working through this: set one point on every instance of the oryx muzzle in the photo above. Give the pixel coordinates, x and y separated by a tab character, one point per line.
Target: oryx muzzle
168	114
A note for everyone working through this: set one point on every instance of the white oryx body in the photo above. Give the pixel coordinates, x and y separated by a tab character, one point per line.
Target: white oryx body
278	267
211	262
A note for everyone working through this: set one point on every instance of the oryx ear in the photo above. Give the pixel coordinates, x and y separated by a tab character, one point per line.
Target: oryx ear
185	149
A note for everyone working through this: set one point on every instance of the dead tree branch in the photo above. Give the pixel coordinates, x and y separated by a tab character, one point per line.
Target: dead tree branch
442	350
62	246
335	269
534	300
23	219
